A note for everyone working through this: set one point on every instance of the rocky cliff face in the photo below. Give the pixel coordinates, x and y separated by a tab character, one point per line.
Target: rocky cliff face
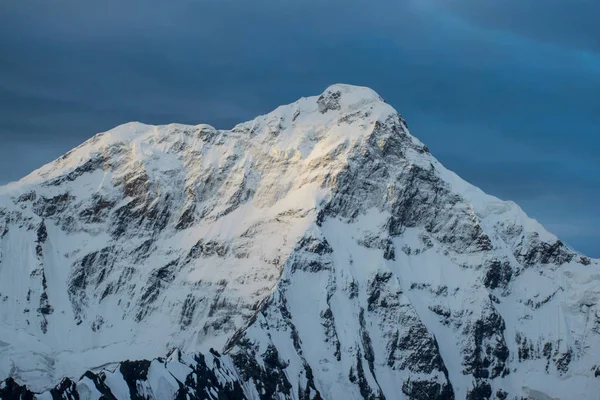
317	252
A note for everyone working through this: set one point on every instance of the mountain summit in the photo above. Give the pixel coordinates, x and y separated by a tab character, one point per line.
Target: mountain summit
316	252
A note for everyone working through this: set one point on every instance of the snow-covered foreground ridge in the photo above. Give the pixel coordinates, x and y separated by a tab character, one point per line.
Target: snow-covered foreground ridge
319	251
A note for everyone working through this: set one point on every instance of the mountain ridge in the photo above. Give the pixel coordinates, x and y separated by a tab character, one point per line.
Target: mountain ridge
329	199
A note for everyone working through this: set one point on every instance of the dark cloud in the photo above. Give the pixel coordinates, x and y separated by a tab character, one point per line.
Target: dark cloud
504	93
569	23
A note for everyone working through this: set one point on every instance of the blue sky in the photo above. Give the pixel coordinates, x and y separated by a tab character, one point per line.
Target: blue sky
505	93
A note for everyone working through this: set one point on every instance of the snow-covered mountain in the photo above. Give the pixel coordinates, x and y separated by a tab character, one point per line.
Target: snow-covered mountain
317	252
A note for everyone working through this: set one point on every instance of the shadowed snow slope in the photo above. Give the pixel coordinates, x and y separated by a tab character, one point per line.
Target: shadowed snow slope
320	250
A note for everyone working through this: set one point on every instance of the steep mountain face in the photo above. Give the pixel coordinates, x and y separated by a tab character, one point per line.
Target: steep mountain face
317	252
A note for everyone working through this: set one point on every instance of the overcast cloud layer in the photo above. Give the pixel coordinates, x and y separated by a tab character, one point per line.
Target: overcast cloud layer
505	93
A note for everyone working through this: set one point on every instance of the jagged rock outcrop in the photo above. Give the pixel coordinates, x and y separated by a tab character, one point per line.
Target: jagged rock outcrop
320	249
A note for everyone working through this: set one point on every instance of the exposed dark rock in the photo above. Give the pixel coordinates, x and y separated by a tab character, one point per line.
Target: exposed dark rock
329	101
284	310
426	240
10	390
546	253
48	207
187	218
419	286
187	311
42	234
563	361
526	349
136	184
200	384
487	357
45	308
584	260
296	115
66	389
420	349
157	281
29	196
90	270
330	332
395	226
98	211
142	213
375	288
132	372
353	289
390	252
427	390
3	229
420	190
157	216
90	165
360	379
142	252
367	345
482	241
269	380
535	304
443	312
97	324
315	245
498	275
203	381
208	249
547	352
271	358
481	391
310	265
126	215
106	393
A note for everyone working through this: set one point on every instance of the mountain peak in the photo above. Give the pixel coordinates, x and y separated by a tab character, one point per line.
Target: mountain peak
338	104
320	246
349	96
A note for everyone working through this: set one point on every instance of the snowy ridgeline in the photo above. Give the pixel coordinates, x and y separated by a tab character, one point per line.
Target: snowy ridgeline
320	249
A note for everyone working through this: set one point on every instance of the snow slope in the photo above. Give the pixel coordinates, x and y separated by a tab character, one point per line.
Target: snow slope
320	247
